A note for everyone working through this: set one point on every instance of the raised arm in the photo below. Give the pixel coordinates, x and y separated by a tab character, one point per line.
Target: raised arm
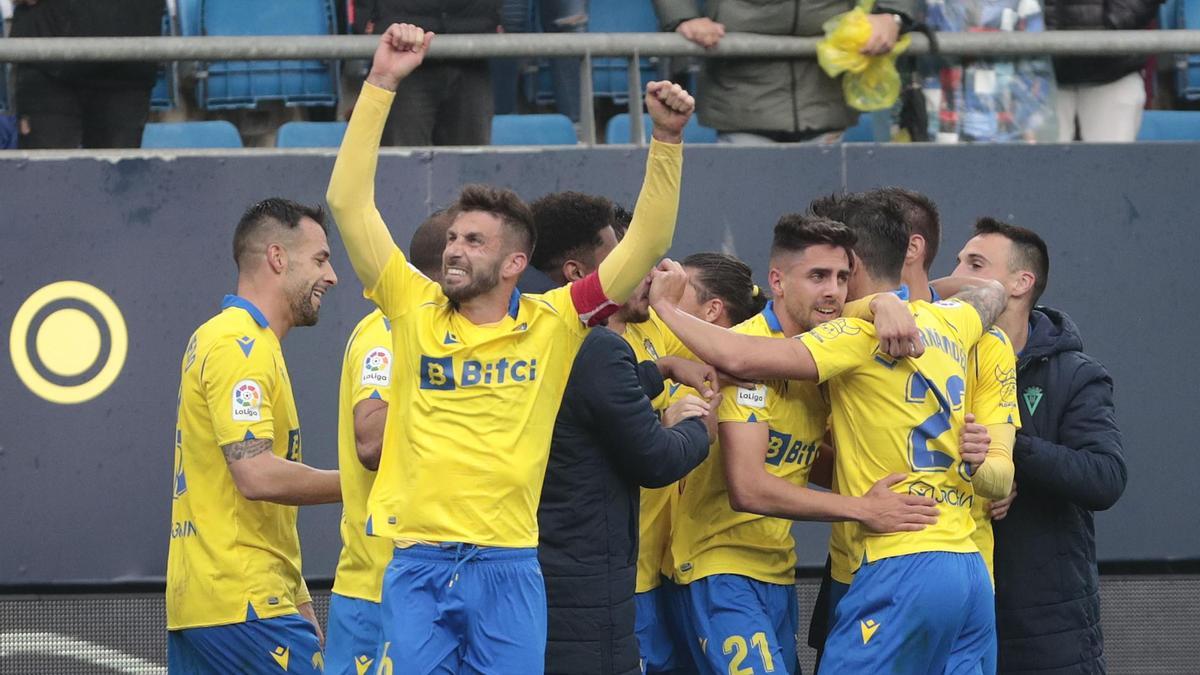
351	193
261	475
745	356
653	226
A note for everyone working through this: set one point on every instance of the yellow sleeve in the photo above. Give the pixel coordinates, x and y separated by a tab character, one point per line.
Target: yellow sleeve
839	346
860	308
992	385
653	226
351	193
995	477
739	404
370	361
238	389
672	345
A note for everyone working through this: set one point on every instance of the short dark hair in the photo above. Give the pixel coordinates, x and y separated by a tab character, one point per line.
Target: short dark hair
271	212
796	231
1029	251
568	226
503	204
622	217
880	228
720	275
921	215
429	241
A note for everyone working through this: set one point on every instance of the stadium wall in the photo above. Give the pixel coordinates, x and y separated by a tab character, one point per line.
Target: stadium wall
87	409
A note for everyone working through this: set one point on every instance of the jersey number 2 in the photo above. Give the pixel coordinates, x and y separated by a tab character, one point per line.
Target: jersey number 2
920	456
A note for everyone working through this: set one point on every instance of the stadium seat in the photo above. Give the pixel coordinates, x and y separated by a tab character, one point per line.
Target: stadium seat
863	132
310	135
214	134
549	129
244	84
1170	125
617	130
610	76
162	97
1187	67
188	14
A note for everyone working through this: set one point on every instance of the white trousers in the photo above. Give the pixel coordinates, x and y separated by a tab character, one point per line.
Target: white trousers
1106	113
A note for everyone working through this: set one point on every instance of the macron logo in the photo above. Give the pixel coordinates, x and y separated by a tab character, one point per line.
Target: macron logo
868	629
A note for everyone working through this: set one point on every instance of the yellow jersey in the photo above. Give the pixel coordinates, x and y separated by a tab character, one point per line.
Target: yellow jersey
650	340
709	536
473	407
992	398
231	559
366	374
903	416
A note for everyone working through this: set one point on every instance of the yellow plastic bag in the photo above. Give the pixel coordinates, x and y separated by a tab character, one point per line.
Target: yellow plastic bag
869	82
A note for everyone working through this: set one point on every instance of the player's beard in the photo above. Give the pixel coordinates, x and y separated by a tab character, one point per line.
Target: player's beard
482	281
300	300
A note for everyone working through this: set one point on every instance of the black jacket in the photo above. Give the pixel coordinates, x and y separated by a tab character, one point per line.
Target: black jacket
1069	464
607	442
439	16
1098	15
88	18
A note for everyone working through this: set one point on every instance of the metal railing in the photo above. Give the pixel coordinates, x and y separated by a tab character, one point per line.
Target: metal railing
584	45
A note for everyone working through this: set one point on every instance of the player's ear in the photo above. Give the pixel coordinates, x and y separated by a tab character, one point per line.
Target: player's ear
775	281
515	264
713	309
916	248
572	270
1025	283
277	258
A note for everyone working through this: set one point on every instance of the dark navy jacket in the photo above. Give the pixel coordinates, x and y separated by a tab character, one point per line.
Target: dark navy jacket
1069	464
607	443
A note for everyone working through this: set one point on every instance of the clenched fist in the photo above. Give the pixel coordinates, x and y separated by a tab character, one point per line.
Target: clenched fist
670	108
402	48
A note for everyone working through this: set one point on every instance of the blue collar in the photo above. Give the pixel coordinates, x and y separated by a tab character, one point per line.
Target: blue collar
933	295
242	303
514	303
902	292
768	313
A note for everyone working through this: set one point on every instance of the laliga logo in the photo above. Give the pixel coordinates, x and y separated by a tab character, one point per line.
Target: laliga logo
377	361
68	342
247	395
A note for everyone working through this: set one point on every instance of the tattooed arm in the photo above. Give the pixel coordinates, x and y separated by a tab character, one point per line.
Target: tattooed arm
987	297
260	475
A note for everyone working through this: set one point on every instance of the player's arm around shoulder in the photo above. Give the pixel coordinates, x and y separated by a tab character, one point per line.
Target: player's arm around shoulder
351	193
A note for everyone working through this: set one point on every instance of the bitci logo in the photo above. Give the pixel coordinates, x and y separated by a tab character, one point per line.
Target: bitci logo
247	401
377	368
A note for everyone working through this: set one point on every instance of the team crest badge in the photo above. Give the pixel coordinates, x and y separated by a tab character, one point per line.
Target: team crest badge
650	348
1032	396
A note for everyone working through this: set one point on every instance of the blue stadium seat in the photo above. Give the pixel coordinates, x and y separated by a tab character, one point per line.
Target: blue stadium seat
213	134
310	135
1187	67
162	97
610	76
617	130
550	129
243	84
1170	125
863	132
188	14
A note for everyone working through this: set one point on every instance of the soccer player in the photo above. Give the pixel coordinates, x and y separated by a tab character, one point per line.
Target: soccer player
1069	464
354	631
236	599
479	375
923	596
736	566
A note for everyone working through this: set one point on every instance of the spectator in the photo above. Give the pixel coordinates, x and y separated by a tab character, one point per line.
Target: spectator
554	16
772	100
443	102
81	104
988	100
607	442
1101	98
1069	464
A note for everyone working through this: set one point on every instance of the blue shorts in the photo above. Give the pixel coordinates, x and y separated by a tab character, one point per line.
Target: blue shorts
658	624
837	591
739	624
920	613
284	644
460	608
353	638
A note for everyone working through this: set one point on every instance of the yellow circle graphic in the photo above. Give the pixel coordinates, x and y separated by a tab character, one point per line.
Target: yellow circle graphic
68	342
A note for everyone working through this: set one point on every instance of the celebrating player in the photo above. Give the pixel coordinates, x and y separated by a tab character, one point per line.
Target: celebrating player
236	600
478	378
924	594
